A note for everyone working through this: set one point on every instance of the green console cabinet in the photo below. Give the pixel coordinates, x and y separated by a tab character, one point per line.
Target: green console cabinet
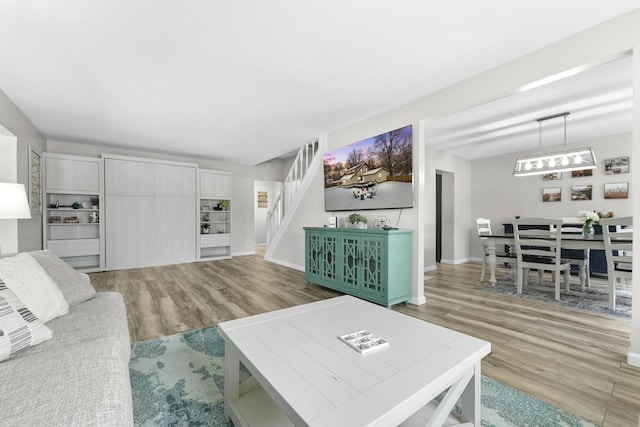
367	263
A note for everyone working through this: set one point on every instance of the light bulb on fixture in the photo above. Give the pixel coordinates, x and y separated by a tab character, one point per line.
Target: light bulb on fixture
565	160
552	163
539	164
527	166
578	159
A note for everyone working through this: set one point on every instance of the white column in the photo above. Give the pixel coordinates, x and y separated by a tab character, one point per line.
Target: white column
633	358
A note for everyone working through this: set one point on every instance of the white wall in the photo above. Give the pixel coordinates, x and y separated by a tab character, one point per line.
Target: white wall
243	239
16	124
8	173
260	214
498	195
456	208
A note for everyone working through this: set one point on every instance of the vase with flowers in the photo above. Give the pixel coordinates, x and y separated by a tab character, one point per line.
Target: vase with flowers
588	218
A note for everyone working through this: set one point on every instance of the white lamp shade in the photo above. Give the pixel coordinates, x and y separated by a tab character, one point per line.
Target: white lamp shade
13	201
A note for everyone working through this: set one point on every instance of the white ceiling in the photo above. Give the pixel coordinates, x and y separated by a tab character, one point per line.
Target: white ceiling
247	81
599	100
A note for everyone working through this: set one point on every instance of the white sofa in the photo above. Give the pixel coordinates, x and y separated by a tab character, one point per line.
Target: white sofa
80	377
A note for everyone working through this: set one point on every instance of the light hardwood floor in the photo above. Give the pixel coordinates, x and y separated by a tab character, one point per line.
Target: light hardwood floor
573	359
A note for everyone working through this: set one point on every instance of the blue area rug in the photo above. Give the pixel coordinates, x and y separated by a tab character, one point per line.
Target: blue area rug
179	380
594	298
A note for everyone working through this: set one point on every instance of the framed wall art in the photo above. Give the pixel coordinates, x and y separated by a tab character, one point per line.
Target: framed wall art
552	176
263	200
581	192
581	173
552	194
616	190
616	165
35	183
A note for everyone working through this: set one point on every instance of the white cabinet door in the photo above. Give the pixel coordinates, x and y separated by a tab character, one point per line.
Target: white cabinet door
215	185
150	216
72	174
172	180
130	231
128	177
175	232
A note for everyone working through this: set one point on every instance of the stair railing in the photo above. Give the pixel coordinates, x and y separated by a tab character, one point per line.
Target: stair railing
290	187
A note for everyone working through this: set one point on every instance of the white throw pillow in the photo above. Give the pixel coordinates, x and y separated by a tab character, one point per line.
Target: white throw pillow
19	328
37	291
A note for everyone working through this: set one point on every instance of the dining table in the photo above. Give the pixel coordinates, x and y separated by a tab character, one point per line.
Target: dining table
568	241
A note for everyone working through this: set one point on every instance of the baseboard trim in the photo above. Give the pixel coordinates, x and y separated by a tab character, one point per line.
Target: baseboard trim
243	253
430	268
455	262
285	264
417	301
633	359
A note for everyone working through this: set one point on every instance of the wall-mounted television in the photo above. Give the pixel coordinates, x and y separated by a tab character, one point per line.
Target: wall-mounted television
375	173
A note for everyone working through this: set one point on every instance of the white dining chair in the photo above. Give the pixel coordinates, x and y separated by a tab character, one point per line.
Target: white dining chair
483	226
538	246
618	248
577	257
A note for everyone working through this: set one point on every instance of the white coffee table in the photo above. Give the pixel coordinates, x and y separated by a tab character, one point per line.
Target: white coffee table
303	375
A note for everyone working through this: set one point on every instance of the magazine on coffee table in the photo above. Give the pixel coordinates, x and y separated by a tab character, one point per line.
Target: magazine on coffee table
363	341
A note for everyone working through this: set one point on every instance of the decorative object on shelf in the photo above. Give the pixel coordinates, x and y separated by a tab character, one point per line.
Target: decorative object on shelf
55	220
603	215
86	204
95	202
355	220
382	221
93	218
559	161
71	220
206	217
363	341
224	204
75	205
205	229
588	218
55	205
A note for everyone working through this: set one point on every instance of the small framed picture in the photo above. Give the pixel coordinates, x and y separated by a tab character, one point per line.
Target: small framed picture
552	194
581	192
616	190
581	173
616	165
552	176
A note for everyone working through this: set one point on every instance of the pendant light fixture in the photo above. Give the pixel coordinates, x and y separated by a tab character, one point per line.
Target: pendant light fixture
559	161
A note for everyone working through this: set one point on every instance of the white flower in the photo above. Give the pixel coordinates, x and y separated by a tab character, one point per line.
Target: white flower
585	216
